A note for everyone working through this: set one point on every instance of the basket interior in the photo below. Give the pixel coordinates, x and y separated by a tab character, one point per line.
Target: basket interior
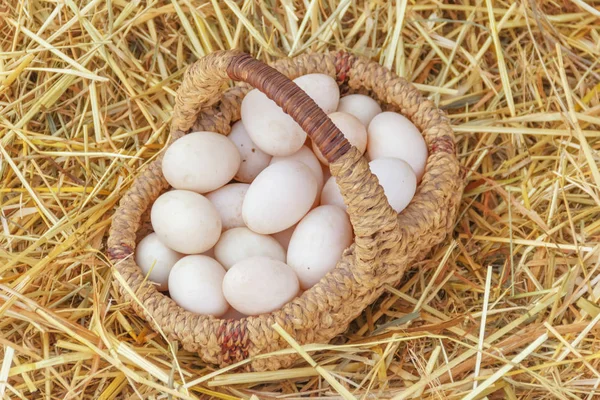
232	100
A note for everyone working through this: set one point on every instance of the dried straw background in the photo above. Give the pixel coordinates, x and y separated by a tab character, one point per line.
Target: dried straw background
86	91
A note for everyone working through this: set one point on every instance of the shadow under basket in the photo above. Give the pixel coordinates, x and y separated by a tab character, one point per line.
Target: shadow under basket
385	243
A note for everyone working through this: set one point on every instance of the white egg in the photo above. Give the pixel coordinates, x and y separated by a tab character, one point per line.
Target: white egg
201	162
152	256
284	237
237	244
259	285
196	284
362	107
322	88
331	194
393	135
271	129
228	201
307	157
353	130
279	197
318	243
254	159
397	179
186	221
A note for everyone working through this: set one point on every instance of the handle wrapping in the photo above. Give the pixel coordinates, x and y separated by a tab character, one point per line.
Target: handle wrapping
294	102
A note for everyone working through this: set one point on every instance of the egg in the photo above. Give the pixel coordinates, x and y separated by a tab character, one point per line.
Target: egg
307	157
185	221
201	162
353	130
322	88
156	260
331	194
259	285
240	243
279	197
284	237
362	107
393	135
269	127
196	284
318	243
253	158
397	179
228	201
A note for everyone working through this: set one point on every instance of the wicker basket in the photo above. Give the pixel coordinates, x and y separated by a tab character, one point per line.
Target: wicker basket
385	242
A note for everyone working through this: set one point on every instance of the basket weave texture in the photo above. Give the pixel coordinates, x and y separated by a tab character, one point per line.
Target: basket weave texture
386	243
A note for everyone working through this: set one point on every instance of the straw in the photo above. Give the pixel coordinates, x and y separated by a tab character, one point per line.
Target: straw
486	298
86	95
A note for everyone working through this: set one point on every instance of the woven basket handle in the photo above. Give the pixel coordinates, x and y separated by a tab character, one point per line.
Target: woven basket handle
203	84
374	221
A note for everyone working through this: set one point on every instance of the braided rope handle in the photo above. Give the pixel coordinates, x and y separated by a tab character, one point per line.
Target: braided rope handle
204	80
202	87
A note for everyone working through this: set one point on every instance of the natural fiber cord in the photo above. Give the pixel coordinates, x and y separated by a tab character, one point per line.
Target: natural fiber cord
386	243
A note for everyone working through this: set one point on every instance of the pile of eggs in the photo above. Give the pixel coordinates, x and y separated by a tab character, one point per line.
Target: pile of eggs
254	218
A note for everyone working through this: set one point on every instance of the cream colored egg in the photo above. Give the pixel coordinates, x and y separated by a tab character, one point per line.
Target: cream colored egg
331	194
259	285
186	221
284	237
271	129
279	197
362	107
196	284
253	158
237	244
393	135
228	201
156	260
307	157
201	162
397	179
353	130
318	243
322	88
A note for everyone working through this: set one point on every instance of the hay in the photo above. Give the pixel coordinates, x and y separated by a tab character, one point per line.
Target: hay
85	98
